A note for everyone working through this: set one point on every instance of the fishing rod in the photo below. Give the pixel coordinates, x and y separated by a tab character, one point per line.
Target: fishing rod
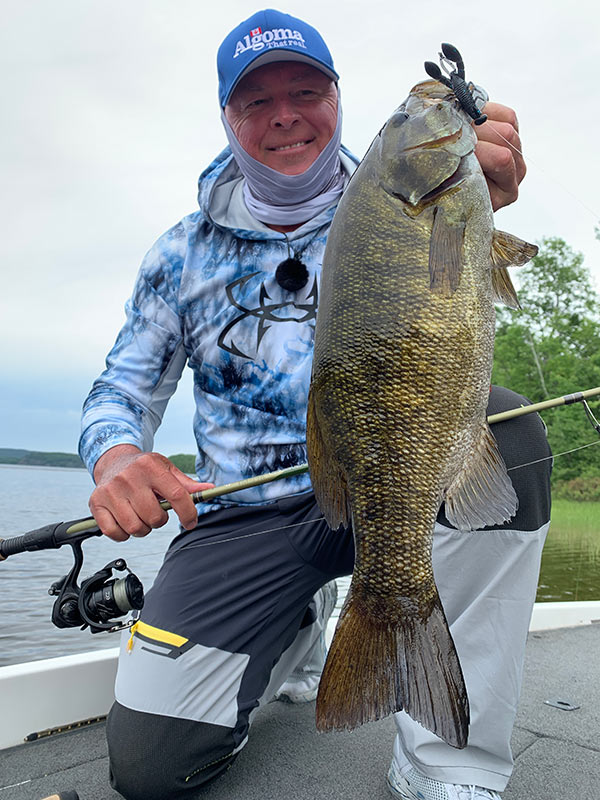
56	535
565	400
77	530
101	598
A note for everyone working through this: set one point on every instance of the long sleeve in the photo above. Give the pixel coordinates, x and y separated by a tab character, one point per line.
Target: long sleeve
128	400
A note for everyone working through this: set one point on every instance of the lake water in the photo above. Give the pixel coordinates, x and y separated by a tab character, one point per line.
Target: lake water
31	497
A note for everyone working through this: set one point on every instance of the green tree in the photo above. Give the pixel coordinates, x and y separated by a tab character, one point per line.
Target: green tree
184	462
551	347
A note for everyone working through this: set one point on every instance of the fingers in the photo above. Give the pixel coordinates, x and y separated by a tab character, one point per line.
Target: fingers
500	173
127	502
174	489
501	113
499	153
118	522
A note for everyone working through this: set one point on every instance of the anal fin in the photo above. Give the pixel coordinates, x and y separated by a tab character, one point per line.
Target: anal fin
482	493
331	491
504	291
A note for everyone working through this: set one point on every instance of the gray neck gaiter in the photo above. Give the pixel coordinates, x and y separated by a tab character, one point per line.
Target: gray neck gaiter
278	199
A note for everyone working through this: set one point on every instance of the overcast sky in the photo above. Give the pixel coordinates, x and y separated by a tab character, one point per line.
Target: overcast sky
110	113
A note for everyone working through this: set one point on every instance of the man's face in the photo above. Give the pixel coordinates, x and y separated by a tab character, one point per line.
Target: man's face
283	114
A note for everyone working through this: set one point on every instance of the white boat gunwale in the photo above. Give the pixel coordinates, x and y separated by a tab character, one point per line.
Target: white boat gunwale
55	693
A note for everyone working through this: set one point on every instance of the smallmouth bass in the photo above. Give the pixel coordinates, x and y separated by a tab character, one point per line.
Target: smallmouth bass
396	421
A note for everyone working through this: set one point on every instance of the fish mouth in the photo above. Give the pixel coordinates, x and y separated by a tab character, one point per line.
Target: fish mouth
292	146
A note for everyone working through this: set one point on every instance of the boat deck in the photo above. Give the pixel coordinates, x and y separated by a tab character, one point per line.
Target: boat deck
557	751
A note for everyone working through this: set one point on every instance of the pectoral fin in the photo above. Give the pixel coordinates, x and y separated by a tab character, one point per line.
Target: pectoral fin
482	493
445	253
329	485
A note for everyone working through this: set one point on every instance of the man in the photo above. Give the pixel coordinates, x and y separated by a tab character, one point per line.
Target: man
237	613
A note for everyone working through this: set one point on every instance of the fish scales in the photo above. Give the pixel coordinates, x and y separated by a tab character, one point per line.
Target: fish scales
396	419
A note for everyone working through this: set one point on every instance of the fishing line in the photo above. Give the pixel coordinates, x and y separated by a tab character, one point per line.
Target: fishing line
552	179
235	538
250	535
547	458
320	519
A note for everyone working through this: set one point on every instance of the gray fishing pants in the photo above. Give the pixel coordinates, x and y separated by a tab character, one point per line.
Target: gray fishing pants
229	618
487	581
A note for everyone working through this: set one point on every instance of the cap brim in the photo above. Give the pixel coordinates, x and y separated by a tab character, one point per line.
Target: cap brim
282	54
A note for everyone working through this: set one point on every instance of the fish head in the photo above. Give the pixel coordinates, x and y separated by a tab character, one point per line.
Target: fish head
424	143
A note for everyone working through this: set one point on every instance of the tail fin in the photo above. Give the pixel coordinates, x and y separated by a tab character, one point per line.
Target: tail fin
375	668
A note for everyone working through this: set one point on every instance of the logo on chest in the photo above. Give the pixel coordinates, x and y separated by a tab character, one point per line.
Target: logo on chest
246	331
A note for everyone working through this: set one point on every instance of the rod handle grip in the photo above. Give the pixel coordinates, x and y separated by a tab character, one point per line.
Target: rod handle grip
9	547
40	539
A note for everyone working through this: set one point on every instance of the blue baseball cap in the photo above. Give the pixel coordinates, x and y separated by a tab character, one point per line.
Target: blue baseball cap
267	36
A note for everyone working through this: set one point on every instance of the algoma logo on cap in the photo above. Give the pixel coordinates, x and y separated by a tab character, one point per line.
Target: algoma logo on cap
276	37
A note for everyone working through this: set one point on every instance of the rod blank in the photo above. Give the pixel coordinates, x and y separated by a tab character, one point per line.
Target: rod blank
258	480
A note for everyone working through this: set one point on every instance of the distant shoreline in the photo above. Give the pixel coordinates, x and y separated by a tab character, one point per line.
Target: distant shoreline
37	458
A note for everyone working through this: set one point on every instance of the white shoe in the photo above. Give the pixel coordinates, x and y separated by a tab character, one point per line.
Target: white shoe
302	685
409	784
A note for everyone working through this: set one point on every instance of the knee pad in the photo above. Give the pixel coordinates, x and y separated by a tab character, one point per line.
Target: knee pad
154	757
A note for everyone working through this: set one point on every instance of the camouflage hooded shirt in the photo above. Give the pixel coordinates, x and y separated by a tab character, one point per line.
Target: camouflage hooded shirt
206	295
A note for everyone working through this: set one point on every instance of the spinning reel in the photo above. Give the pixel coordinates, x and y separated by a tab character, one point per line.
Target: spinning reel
100	599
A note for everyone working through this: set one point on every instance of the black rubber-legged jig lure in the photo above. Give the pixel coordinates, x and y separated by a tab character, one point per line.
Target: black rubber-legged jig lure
450	57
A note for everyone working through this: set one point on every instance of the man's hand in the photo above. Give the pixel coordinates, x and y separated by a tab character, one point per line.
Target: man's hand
129	484
501	161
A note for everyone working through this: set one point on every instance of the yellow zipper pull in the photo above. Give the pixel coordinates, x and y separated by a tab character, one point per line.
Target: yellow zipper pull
132	631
